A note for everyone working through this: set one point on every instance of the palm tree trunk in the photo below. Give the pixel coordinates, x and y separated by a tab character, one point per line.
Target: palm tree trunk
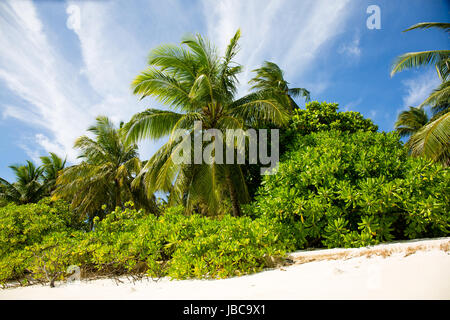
233	196
118	198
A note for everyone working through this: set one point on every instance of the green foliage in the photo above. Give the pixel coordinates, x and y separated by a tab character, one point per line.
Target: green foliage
270	78
133	242
22	225
339	189
199	85
183	247
28	187
324	116
315	117
104	176
27	231
431	140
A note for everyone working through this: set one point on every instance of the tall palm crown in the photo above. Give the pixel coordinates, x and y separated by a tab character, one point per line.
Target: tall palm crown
411	121
28	188
197	85
271	78
104	176
433	139
52	165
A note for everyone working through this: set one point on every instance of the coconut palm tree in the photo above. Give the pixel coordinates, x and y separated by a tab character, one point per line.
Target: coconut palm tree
433	139
52	166
411	121
104	176
270	77
197	85
28	188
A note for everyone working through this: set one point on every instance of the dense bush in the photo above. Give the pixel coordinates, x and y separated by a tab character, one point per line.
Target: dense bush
26	230
131	241
341	189
323	116
22	225
315	117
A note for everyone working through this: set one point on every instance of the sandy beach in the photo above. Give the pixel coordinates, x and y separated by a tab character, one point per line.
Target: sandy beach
407	270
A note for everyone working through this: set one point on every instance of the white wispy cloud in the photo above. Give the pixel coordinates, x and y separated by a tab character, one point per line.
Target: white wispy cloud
352	49
114	51
419	88
63	99
32	69
290	33
416	90
352	105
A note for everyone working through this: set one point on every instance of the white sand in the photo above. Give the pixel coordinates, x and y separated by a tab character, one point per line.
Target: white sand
405	274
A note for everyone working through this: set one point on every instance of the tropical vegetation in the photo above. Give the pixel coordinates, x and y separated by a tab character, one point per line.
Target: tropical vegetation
201	86
432	138
102	180
339	183
32	182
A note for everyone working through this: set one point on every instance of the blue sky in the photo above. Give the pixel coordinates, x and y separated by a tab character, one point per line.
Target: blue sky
62	63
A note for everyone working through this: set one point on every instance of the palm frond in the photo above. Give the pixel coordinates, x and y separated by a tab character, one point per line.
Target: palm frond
426	25
419	59
410	121
151	123
299	92
433	140
259	107
165	88
439	97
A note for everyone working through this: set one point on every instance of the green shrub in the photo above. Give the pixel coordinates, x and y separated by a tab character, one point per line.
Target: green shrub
315	117
183	247
231	246
22	225
324	117
27	234
129	241
341	189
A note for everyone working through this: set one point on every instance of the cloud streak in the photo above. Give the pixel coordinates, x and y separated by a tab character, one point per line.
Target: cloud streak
352	49
60	100
289	33
31	68
419	88
61	93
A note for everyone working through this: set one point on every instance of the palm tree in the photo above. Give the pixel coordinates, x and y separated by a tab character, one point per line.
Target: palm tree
414	123
104	176
411	121
193	80
433	139
271	78
52	165
28	188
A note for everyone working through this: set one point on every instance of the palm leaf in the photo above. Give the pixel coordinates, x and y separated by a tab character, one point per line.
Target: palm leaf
411	121
418	59
426	25
152	123
439	97
433	140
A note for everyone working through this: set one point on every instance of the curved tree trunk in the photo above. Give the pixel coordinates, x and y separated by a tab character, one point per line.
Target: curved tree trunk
233	196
